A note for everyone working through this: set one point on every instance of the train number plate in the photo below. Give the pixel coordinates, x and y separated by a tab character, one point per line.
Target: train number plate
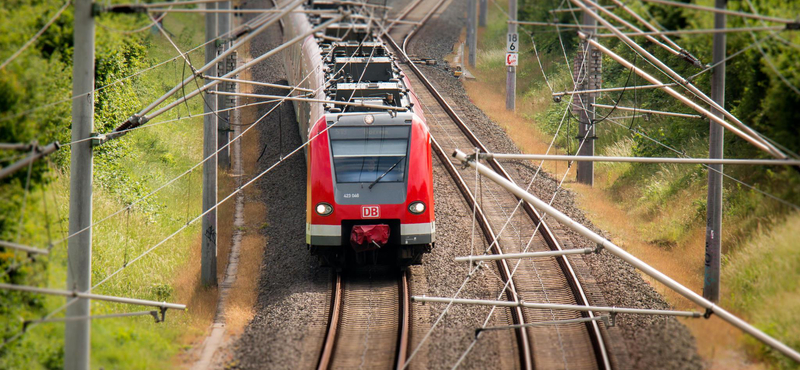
370	212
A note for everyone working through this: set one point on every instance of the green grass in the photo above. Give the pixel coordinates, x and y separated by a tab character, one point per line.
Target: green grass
763	279
132	166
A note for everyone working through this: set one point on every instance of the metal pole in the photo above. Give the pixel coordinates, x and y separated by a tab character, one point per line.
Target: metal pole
23	248
611	89
715	146
631	259
472	35
495	257
77	344
208	269
223	126
484	7
82	295
660	112
555	306
586	131
511	75
24	162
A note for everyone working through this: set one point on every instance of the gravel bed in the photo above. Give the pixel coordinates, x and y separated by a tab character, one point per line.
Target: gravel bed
292	305
649	341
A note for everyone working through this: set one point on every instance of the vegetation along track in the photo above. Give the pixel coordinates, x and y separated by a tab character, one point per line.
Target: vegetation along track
552	280
369	321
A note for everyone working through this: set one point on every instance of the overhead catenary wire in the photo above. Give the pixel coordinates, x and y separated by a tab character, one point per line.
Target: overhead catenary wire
238	189
649	26
635	262
611	89
171	181
746	132
143	117
697	31
478	266
723	11
683	154
37	35
734	55
768	59
19	334
243	27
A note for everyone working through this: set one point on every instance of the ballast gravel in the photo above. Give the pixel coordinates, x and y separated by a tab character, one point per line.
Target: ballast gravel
293	299
650	342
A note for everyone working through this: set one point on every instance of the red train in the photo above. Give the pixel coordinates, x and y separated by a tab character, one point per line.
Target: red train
370	177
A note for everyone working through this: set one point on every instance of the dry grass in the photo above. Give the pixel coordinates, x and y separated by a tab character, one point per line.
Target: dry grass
243	294
523	131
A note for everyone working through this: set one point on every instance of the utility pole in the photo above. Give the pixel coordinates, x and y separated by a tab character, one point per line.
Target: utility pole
484	7
208	268
472	34
715	142
77	334
223	126
511	75
588	73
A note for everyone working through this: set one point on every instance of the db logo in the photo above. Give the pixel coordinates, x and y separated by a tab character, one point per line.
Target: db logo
370	212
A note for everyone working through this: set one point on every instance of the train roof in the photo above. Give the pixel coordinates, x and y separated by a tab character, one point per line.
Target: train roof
357	66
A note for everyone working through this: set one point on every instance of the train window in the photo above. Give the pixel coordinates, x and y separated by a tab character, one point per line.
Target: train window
362	154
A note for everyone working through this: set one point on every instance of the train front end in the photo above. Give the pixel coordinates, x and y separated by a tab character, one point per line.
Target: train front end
370	189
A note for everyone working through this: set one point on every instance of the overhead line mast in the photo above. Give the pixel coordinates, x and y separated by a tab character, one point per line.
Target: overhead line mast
77	342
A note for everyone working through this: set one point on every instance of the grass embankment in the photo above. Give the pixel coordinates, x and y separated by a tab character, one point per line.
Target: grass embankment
125	170
657	212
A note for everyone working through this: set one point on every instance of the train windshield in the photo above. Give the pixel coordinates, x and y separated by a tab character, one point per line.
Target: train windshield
363	154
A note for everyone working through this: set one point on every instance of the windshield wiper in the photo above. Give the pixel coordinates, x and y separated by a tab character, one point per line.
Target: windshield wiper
385	173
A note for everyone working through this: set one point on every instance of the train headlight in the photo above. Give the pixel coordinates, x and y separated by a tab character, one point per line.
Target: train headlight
416	208
369	119
324	209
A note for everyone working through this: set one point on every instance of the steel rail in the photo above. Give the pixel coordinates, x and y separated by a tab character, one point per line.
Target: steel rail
405	321
610	247
518	317
523	342
333	324
572	279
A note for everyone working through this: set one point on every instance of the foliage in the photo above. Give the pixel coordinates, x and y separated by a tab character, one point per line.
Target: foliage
35	104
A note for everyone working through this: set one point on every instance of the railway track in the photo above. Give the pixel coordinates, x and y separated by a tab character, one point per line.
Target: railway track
573	346
369	324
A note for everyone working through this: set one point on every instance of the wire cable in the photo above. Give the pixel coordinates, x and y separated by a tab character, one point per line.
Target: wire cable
232	32
37	35
767	57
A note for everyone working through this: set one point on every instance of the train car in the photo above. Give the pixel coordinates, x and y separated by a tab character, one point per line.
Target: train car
369	172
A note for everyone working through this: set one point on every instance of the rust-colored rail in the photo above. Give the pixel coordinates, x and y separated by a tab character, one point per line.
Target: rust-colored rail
333	323
593	327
